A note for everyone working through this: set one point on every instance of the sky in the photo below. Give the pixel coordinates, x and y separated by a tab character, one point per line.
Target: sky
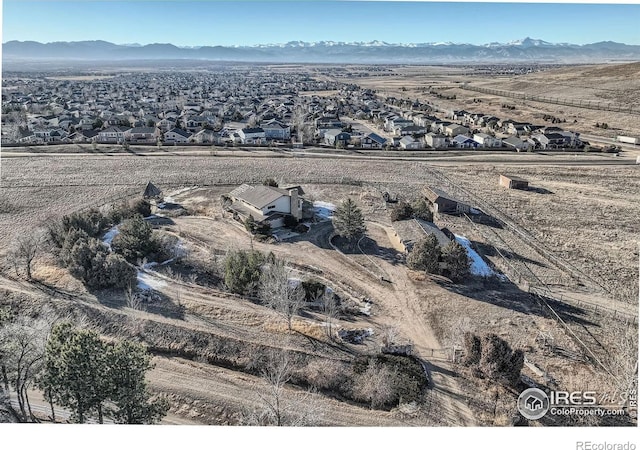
197	23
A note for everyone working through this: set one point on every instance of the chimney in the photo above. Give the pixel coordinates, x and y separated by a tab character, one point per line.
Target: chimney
296	210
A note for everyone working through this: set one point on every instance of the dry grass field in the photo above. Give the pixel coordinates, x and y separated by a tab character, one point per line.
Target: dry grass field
613	83
220	332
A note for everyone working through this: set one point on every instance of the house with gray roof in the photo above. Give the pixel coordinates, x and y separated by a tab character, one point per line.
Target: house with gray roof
372	140
251	135
266	203
177	136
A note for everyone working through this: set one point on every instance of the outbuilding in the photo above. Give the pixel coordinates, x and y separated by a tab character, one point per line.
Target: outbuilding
444	203
512	182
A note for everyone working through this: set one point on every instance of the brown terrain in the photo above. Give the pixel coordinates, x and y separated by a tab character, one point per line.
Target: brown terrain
573	236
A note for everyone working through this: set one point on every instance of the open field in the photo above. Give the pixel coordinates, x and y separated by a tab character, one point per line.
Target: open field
205	338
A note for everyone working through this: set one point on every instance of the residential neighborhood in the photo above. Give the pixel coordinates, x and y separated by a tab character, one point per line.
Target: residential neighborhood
245	107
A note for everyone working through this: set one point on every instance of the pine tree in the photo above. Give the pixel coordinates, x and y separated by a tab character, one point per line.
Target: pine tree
456	259
128	364
348	221
242	271
425	255
75	371
135	240
83	373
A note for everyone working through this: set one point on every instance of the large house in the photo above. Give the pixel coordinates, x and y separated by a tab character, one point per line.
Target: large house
516	143
268	204
251	135
561	139
372	140
112	135
409	143
487	141
177	136
435	140
142	135
462	141
276	130
336	138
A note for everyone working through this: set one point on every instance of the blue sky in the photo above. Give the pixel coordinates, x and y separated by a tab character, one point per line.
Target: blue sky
192	23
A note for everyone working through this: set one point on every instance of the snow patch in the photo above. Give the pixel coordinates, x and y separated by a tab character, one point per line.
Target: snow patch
147	282
109	235
324	210
478	265
366	309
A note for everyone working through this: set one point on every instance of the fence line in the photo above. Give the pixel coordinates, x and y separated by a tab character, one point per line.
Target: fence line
587	104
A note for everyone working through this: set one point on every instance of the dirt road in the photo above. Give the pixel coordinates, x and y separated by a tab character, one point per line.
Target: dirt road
396	304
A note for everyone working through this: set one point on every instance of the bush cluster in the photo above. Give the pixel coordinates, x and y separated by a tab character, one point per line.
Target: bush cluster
493	357
75	239
89	260
427	254
419	209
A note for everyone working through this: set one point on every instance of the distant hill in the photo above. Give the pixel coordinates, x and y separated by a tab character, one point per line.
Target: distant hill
375	52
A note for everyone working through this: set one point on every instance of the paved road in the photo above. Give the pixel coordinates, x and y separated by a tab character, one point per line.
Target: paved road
450	158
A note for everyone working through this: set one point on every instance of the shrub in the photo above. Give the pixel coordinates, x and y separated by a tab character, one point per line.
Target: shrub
498	361
242	271
387	380
401	211
325	374
90	261
166	246
290	221
257	228
270	182
421	210
128	209
472	349
91	222
135	240
312	289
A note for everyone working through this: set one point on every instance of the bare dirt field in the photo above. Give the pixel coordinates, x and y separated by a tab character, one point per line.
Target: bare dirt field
219	331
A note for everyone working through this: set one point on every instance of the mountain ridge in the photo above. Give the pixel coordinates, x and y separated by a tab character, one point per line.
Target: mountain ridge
377	51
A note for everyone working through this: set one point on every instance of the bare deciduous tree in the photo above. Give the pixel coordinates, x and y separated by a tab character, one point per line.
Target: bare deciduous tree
279	293
133	300
331	311
281	407
23	344
24	250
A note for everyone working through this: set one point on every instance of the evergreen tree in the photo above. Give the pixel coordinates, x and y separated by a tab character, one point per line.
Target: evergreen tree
401	211
425	255
83	373
457	261
348	221
242	271
421	210
75	371
128	364
135	240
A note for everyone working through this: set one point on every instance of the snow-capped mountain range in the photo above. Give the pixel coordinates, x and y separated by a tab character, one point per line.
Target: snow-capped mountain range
373	52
